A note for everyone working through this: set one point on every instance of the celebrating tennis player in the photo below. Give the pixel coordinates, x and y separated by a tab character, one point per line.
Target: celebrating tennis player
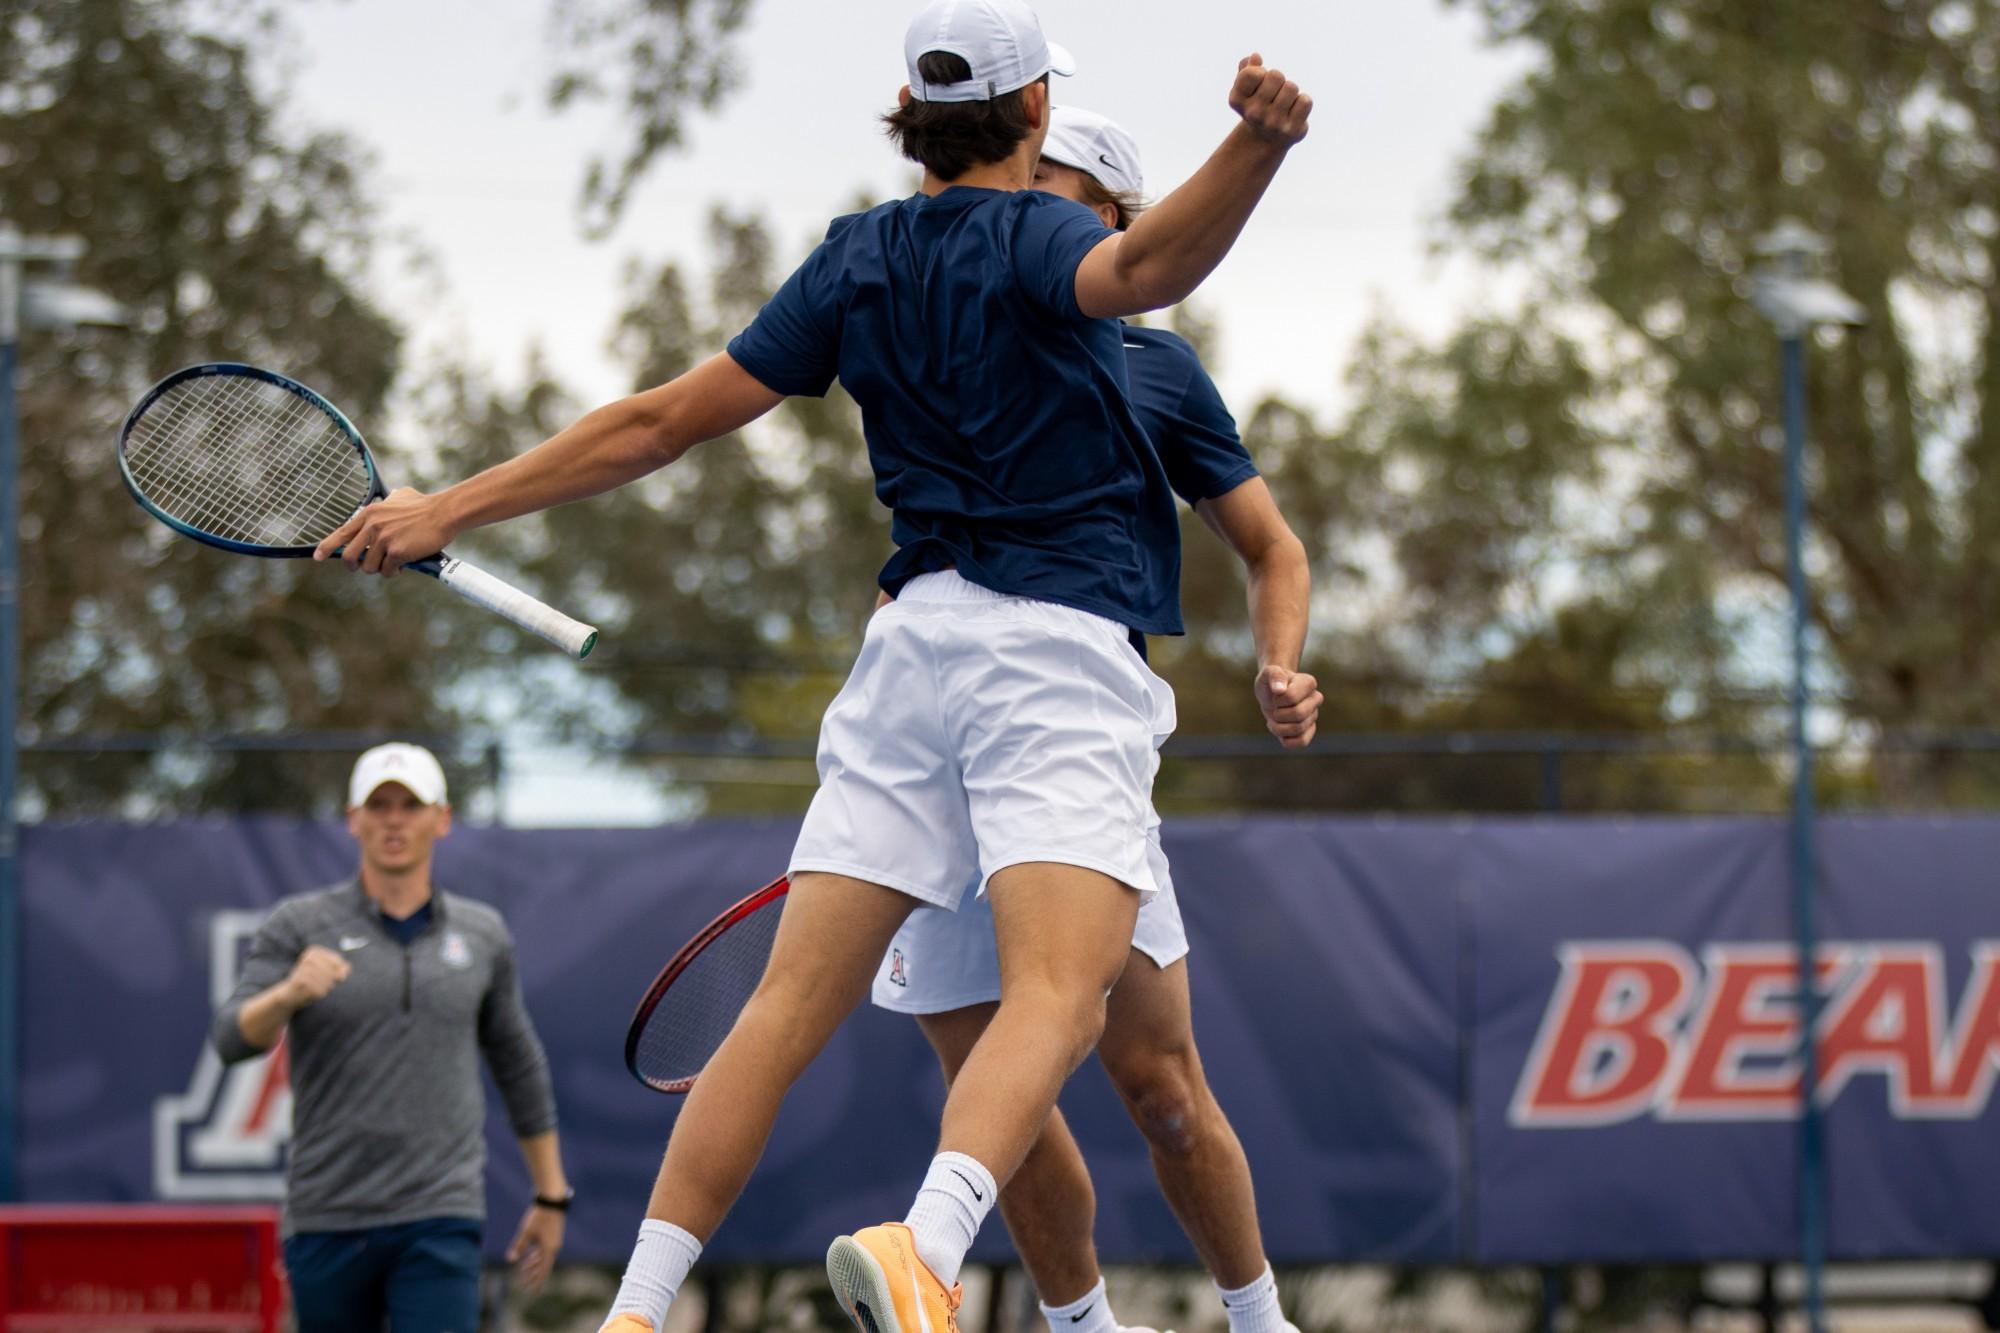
943	966
997	729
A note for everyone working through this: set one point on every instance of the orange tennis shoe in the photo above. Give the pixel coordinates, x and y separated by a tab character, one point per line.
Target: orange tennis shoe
885	1287
628	1323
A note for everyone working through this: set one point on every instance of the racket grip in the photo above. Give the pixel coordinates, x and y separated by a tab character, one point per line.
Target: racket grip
504	599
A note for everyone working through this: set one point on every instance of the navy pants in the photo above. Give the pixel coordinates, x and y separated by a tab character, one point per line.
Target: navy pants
419	1277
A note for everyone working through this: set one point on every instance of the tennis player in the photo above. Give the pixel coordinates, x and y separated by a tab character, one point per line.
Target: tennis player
943	967
998	729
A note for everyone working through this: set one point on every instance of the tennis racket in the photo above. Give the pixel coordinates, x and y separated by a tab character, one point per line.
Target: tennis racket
693	1003
256	463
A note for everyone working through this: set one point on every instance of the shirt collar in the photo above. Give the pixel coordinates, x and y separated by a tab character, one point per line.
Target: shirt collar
361	904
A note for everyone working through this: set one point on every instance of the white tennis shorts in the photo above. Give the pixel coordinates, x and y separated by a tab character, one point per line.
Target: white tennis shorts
980	731
940	961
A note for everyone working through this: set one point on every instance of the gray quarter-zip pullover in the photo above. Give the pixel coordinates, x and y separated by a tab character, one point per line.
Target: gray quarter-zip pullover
387	1102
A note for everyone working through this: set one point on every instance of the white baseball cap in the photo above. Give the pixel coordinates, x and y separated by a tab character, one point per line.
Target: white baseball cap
1001	39
1098	146
412	765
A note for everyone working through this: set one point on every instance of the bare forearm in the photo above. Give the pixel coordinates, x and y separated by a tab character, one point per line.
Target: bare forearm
263	1016
543	1154
617	443
1176	244
1280	597
1166	253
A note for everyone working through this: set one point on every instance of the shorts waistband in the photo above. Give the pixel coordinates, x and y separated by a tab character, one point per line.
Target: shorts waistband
949	586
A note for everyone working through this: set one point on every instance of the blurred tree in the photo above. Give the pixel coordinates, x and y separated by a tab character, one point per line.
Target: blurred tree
128	123
658	60
1612	452
733	586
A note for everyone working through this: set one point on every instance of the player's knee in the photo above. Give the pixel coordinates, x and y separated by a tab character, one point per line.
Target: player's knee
1164	1093
795	995
1076	1012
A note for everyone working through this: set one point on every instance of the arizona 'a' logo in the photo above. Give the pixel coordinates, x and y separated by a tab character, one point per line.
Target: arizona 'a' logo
226	1137
1639	1027
899	975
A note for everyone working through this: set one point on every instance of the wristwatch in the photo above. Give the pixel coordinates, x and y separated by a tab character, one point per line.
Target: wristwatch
558	1205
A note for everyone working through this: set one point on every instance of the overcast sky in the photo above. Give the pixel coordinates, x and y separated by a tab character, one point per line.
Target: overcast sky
448	94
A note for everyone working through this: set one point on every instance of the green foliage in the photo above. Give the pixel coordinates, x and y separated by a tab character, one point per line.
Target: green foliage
1563	517
658	60
732	587
1607	455
127	124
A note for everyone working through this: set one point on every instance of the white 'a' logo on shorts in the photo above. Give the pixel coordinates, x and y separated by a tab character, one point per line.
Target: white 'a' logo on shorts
228	1135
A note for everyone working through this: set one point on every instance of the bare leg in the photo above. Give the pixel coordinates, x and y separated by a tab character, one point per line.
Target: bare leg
1063	934
1148	1049
830	939
1049	1205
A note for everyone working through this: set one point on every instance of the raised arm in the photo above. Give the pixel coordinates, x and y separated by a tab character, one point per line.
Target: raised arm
1178	242
1280	593
604	450
281	975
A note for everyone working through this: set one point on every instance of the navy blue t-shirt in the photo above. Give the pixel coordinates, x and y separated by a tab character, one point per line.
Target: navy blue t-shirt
998	420
1184	416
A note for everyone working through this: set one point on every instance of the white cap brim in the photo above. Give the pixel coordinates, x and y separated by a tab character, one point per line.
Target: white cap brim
1060	60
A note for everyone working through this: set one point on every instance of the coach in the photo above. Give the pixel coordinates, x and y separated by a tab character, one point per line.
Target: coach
390	990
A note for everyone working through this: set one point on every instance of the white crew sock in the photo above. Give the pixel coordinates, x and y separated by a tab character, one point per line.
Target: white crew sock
659	1264
956	1196
1254	1309
1089	1313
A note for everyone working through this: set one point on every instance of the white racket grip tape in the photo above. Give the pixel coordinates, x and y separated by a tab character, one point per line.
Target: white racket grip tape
504	599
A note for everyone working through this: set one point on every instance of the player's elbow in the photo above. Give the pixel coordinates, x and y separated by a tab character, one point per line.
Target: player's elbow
1126	276
1277	552
652	428
231	1042
1150	284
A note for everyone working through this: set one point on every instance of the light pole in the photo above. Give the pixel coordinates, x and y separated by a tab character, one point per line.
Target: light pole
34	301
1796	302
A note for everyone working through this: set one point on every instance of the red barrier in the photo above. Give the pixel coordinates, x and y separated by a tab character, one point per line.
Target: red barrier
140	1267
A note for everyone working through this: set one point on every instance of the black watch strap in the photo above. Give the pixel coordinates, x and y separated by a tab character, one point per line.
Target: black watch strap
559	1205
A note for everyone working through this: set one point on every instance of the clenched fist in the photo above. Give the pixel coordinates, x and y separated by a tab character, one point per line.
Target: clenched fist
1290	701
1271	105
317	972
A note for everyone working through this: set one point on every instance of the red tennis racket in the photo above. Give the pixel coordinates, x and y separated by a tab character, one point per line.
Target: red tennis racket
693	1003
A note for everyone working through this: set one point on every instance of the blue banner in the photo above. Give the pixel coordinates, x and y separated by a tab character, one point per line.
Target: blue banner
1439	1041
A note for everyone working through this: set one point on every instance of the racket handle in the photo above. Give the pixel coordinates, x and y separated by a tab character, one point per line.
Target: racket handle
504	599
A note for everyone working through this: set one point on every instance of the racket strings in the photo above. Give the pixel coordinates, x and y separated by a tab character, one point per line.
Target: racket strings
162	458
264	494
702	1002
212	457
246	460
